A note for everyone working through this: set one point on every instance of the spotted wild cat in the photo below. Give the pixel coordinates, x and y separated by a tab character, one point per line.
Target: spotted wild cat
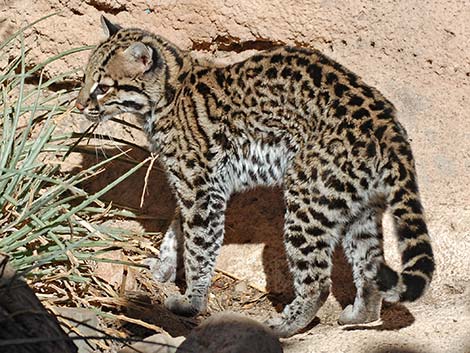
286	116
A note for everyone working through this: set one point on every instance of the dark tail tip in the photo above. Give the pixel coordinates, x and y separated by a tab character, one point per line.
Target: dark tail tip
415	286
386	278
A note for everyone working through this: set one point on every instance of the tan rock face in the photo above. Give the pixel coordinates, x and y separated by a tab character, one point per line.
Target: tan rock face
416	53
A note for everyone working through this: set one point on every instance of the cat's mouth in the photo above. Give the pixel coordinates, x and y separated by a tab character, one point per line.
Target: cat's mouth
95	116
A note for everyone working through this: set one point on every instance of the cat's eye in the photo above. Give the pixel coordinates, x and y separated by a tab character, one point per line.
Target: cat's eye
102	89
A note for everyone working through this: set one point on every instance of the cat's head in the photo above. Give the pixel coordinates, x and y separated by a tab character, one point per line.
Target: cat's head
132	71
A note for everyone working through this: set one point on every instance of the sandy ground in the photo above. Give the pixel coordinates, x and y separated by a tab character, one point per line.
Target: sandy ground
416	53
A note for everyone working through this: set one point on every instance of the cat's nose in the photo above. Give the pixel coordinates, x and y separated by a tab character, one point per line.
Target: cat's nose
79	106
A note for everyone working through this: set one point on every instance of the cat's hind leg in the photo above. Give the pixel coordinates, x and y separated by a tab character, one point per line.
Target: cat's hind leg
364	249
310	236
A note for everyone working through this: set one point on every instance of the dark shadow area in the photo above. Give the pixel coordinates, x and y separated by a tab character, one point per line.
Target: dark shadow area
342	287
393	317
395	350
142	307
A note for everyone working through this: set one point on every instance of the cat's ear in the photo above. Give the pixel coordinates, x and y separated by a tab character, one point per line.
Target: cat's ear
109	28
141	54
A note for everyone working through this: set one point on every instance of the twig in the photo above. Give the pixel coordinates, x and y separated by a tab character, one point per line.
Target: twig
231	275
153	157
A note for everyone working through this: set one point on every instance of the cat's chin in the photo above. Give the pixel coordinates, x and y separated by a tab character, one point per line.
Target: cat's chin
97	119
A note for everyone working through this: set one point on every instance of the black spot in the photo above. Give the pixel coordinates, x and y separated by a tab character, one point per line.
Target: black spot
187	203
331	77
198	221
356	100
200	194
302	176
405	151
340	89
302	61
379	132
210	155
221	139
257	58
297	75
424	264
352	79
190	163
351	137
220	78
366	126
321	218
308	280
132	104
203	88
415	206
302	265
386	114
199	181
199	241
337	204
276	58
361	113
314	231
308	249
183	76
297	241
271	73
386	278
370	150
315	73
419	226
417	250
335	183
367	91
414	287
286	72
202	73
295	228
340	111
129	88
321	264
398	196
377	105
364	183
302	216
412	186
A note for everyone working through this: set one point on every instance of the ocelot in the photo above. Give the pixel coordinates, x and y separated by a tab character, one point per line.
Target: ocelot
286	116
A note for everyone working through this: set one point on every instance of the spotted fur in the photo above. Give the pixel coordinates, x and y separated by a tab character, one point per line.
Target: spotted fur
286	116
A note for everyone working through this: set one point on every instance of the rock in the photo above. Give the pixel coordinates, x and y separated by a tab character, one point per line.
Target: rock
78	316
159	343
23	318
230	333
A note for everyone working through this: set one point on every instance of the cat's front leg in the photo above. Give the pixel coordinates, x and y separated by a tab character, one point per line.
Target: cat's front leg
165	267
203	230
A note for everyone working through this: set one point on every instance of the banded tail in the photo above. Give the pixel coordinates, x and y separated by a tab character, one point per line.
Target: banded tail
413	239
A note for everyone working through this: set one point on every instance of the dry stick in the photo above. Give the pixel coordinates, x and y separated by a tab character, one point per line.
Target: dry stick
152	158
231	275
139	322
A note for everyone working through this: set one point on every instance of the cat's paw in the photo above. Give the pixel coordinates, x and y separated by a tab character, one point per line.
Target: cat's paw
162	271
280	327
354	314
182	305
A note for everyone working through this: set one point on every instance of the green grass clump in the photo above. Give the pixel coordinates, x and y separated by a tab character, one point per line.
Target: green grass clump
46	217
